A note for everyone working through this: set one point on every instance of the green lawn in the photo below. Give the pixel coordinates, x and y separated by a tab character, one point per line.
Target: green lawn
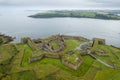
6	53
23	75
108	74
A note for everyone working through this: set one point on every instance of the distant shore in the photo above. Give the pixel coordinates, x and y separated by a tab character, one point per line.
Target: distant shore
77	14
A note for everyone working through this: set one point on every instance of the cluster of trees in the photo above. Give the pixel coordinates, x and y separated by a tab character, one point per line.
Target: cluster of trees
1	40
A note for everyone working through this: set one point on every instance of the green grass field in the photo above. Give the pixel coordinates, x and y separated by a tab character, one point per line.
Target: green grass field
14	64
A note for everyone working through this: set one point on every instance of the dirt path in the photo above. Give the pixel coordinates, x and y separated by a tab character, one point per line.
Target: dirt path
89	53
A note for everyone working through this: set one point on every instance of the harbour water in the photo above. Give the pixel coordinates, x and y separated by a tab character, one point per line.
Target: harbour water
17	24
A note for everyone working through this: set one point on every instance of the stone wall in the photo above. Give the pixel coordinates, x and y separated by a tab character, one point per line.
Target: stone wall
100	54
70	65
66	63
24	40
33	59
52	56
99	41
79	38
30	43
114	47
60	40
36	59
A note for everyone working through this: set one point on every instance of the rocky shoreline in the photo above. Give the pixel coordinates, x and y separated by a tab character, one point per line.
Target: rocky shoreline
4	39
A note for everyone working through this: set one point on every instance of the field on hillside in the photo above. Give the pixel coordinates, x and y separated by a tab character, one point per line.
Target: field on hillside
15	65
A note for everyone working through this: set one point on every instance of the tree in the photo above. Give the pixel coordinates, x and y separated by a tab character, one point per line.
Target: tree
1	40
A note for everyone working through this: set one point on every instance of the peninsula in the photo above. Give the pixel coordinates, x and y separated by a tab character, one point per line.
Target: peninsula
77	14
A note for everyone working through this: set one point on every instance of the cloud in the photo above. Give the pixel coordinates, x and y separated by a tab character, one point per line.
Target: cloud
45	2
63	3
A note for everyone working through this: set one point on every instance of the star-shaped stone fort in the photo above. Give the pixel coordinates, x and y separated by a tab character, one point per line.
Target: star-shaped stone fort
69	49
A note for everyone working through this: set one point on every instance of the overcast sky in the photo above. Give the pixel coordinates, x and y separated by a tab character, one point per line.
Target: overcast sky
71	4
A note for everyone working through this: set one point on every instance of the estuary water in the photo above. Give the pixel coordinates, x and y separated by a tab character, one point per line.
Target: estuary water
17	24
